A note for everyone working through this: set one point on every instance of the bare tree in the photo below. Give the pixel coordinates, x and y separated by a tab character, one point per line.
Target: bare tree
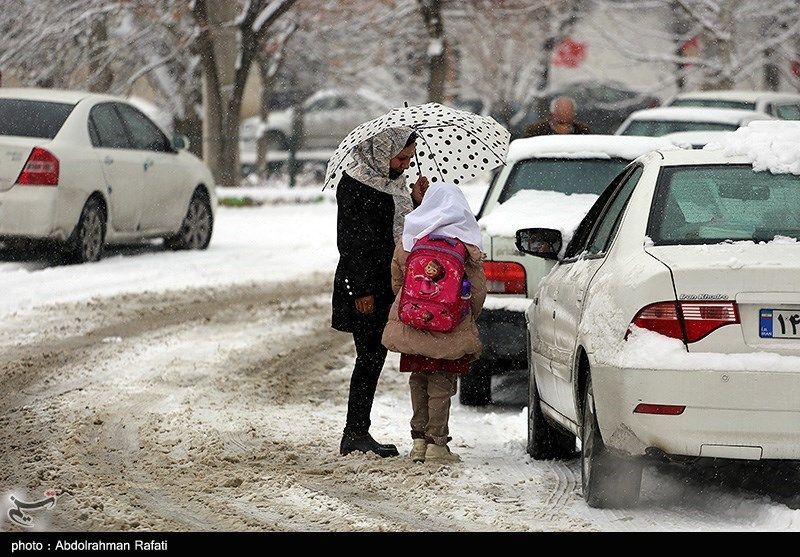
734	38
228	43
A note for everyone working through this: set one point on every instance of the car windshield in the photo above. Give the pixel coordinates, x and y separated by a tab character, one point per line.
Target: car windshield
24	118
714	103
788	111
563	175
714	203
657	128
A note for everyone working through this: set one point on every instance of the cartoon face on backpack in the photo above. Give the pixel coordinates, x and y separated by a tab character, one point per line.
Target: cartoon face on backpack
434	270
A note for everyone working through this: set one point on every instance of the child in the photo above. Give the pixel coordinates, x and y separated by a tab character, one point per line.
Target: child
435	359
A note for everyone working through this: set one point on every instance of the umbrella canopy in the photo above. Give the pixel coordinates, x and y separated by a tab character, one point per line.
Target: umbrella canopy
452	146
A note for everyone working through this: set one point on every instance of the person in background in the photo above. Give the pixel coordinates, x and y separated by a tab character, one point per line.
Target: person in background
373	200
561	120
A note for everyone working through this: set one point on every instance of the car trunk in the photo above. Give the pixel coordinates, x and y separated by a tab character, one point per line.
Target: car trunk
764	281
14	153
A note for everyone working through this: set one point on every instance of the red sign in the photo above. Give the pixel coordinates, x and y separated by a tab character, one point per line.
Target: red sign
795	66
569	54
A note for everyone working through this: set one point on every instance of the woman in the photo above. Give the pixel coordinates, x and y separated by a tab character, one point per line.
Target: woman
373	200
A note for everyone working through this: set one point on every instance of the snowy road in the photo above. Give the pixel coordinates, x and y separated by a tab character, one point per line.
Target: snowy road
221	407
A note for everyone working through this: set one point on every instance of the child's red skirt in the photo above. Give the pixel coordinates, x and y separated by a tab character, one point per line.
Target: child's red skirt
411	363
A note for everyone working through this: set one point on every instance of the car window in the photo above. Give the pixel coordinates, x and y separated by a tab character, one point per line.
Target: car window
110	130
714	203
145	134
788	111
25	118
657	128
562	175
581	236
714	103
325	103
605	230
495	175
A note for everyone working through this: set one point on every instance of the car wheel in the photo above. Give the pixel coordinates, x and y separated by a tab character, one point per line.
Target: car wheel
197	226
545	441
475	387
89	237
609	481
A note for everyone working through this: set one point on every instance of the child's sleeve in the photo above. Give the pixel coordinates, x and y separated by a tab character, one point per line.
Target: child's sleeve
398	268
477	277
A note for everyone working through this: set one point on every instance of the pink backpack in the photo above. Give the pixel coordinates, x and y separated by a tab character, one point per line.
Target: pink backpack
435	290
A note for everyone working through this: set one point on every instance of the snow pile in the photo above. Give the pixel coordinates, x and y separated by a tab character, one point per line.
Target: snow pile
768	145
258	195
696	114
586	147
539	209
648	350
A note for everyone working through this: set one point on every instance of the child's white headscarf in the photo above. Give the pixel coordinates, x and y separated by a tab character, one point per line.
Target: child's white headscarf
444	210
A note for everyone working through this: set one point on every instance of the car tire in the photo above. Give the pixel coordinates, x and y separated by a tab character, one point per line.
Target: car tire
475	387
609	481
545	441
88	238
197	226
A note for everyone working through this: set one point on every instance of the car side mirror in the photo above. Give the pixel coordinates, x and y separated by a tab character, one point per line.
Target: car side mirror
541	242
180	142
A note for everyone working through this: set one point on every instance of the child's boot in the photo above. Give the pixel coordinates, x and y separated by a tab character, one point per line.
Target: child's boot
418	450
440	453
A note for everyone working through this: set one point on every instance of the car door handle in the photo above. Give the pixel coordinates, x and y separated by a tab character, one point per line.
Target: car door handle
147	164
108	160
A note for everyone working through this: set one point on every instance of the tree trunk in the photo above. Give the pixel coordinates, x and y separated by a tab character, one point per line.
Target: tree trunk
262	145
192	127
772	74
100	77
431	11
218	55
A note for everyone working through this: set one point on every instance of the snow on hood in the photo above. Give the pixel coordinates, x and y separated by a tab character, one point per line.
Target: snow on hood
538	209
585	147
696	114
772	145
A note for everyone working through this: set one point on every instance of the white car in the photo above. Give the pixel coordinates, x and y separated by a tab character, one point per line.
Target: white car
670	325
655	122
547	181
784	106
328	116
85	170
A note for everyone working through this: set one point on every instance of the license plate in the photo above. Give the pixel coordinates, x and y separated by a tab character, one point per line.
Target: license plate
779	323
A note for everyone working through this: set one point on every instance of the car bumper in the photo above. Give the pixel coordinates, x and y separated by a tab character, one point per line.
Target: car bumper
743	415
30	212
503	333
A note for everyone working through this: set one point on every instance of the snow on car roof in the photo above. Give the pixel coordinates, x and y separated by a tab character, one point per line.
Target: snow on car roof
703	137
767	145
744	96
45	95
696	114
585	147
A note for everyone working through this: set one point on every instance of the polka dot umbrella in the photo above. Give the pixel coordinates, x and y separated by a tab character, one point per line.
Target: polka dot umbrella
452	146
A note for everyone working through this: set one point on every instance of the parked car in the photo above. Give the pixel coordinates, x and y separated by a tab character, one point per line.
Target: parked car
656	122
603	105
85	170
328	116
548	179
648	335
784	106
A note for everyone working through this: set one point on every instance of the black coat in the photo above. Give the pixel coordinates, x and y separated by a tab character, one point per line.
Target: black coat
365	238
542	127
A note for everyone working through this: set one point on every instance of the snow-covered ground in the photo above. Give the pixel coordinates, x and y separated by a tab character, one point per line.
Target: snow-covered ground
205	390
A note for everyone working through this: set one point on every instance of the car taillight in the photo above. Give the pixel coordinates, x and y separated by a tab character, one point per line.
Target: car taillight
41	169
696	319
503	277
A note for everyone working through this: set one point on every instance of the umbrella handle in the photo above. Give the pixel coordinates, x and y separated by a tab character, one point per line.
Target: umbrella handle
416	158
